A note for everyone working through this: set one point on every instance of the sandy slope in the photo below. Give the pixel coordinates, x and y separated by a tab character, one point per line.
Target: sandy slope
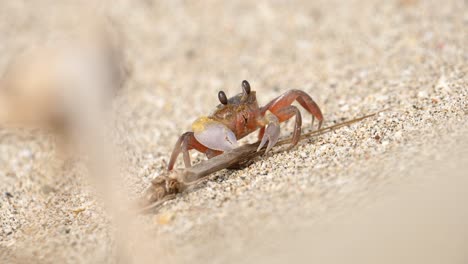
354	58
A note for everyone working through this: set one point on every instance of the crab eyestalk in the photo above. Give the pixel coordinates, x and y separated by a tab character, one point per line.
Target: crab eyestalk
246	87
222	98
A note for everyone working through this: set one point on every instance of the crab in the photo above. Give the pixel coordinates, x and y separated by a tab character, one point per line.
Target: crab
239	116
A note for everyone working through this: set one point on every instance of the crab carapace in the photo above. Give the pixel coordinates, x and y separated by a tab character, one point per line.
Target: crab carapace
238	116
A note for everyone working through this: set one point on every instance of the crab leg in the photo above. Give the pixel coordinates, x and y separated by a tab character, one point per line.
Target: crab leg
185	143
289	97
285	114
281	107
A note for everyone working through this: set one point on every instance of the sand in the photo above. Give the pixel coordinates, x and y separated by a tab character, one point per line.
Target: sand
352	57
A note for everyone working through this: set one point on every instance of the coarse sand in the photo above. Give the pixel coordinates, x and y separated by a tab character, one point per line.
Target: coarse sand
353	57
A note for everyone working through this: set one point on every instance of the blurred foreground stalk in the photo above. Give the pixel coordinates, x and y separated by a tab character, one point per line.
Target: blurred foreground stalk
67	87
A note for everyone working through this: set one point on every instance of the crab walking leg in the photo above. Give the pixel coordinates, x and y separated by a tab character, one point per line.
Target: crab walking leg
289	97
185	143
288	112
311	106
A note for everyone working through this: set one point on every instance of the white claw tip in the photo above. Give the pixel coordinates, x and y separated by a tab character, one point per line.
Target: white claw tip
217	136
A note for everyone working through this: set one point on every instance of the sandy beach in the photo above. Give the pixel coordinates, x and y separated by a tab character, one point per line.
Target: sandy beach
353	57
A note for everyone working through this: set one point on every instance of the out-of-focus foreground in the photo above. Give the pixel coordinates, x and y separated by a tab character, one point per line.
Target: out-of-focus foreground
388	189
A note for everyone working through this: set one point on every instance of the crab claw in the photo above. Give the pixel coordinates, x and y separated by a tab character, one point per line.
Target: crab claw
214	135
272	132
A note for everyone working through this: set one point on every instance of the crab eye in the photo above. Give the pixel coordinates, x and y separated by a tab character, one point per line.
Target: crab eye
222	97
246	86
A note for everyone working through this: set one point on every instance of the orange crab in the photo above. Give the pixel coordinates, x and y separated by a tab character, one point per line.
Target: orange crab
239	116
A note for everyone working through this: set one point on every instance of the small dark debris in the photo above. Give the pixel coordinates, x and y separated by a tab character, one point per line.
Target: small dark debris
190	54
220	179
377	137
8	195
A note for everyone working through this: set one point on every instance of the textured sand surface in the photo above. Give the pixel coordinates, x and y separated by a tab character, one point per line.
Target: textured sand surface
353	57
